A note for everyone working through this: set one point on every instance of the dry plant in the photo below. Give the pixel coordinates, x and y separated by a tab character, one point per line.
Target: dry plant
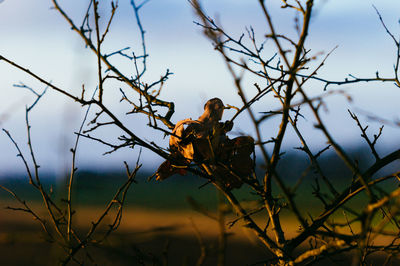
284	77
58	223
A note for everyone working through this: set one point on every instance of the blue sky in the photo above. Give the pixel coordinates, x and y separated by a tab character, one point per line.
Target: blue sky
38	38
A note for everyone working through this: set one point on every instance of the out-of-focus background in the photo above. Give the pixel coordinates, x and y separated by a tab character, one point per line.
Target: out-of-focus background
37	37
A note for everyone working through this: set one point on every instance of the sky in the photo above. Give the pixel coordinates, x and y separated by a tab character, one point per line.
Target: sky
37	37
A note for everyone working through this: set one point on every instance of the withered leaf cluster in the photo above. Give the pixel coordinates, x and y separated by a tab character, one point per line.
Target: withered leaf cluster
204	142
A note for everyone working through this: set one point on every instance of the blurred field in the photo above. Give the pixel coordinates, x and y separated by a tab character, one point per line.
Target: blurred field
145	235
157	215
150	231
158	223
